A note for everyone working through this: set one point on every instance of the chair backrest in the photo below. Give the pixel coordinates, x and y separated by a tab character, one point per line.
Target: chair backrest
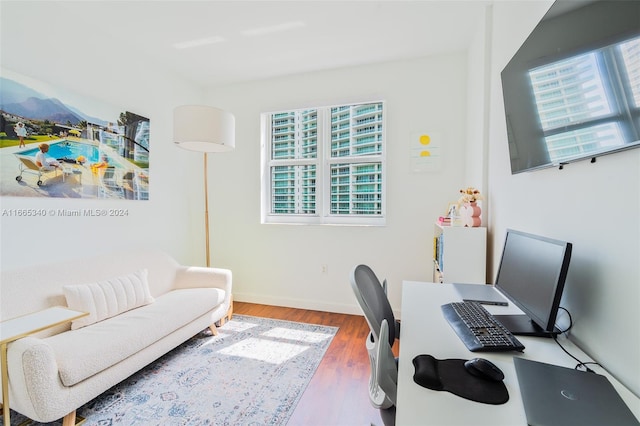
372	297
29	163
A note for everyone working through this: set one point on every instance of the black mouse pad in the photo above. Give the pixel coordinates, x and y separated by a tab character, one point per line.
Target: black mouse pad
451	375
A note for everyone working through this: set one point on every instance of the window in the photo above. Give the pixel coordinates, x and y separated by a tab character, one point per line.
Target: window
324	165
579	110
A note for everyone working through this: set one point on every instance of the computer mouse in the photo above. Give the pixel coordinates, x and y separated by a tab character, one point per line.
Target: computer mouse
485	369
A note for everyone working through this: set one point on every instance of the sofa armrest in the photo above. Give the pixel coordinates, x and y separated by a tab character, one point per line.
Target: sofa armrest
35	384
203	277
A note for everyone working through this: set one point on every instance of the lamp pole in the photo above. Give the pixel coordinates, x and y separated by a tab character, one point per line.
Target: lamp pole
206	213
204	129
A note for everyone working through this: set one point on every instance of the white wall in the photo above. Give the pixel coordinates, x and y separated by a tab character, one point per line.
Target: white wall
273	264
282	264
478	83
93	67
595	206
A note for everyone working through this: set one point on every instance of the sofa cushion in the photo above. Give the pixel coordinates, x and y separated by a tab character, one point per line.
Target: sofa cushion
89	350
105	299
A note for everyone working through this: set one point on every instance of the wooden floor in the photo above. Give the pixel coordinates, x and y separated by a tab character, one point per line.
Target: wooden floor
338	393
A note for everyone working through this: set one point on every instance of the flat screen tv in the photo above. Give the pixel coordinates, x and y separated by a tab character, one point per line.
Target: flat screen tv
572	90
532	273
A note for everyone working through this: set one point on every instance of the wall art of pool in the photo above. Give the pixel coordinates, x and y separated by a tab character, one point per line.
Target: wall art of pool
72	150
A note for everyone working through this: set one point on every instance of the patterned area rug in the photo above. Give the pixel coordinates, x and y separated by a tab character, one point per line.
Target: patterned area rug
253	373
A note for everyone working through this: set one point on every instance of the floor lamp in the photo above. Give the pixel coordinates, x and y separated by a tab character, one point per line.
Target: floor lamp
204	129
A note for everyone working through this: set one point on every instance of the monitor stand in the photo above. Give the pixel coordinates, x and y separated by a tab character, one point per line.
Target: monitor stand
522	325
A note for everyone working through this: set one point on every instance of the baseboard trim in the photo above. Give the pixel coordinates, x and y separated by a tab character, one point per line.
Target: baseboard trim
297	303
312	305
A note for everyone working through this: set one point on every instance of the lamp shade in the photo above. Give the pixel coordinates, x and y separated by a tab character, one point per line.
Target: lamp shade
204	128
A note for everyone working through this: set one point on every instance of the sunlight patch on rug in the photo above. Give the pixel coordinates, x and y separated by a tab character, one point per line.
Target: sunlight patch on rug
299	335
237	326
264	350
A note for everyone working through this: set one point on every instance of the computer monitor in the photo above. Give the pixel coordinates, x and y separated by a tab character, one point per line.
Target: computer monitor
532	273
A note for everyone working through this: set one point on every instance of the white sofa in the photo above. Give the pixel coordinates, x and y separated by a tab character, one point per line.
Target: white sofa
54	372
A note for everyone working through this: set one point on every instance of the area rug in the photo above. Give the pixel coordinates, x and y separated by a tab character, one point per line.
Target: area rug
253	373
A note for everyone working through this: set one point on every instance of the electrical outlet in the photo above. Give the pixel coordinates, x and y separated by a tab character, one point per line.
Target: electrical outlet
325	269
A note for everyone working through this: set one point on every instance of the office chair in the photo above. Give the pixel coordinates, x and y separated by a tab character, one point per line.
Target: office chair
372	297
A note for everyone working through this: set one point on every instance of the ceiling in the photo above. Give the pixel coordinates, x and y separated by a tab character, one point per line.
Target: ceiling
235	41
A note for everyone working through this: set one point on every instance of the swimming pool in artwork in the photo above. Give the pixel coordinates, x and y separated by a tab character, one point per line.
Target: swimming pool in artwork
72	150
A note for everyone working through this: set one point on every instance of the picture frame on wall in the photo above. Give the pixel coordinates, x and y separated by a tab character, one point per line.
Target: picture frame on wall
54	143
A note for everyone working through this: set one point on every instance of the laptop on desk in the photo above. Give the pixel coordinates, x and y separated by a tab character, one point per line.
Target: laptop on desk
554	395
481	293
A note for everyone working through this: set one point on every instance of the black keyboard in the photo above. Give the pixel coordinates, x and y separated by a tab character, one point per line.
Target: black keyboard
478	329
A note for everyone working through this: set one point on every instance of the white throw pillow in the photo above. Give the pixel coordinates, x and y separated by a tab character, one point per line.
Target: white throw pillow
105	299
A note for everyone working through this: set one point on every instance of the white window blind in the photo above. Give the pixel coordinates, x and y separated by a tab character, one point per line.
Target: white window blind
324	165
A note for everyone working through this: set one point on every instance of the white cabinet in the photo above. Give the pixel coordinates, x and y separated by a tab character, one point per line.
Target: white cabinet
459	254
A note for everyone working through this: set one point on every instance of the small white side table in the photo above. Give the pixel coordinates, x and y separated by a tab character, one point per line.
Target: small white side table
17	328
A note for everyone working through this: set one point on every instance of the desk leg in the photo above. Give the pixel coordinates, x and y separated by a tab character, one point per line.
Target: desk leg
5	384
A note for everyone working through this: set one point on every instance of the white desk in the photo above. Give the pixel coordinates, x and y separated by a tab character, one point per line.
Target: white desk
425	331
